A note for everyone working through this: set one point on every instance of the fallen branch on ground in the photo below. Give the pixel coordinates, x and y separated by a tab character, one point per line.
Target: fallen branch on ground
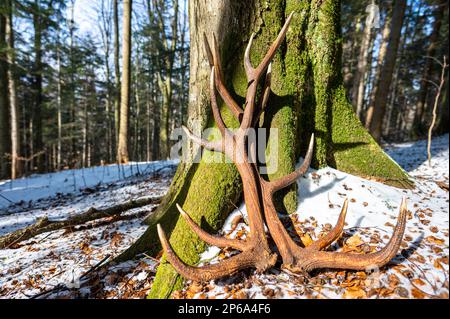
44	225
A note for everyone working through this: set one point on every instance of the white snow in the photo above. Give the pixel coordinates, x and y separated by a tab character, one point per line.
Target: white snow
39	186
61	257
373	209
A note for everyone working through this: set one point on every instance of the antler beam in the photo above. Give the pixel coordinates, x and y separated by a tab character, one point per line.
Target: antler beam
259	193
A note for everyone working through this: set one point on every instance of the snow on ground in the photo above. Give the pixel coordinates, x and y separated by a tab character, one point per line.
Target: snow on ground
26	191
61	258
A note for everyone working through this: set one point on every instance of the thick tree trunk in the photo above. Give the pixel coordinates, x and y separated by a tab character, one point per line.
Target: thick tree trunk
307	96
5	145
122	149
375	113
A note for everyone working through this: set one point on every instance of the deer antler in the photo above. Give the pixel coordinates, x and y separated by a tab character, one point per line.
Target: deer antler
298	259
258	193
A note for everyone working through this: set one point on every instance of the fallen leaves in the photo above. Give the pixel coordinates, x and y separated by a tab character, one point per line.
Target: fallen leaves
434	240
418	294
306	239
354	293
84	246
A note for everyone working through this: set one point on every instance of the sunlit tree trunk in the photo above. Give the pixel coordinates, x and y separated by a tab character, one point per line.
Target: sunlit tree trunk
105	31
116	72
122	149
59	106
16	165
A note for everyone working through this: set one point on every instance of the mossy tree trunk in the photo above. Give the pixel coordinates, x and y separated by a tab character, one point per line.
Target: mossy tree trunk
307	96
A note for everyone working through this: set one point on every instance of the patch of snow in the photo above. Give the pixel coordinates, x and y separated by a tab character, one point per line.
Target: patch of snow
39	186
419	270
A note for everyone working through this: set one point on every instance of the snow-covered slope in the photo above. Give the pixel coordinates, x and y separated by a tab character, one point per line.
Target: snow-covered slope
40	186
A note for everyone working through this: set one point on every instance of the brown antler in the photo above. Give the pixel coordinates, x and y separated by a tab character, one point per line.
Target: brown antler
255	248
298	259
258	193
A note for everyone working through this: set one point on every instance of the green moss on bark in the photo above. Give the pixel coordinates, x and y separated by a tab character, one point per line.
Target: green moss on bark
342	142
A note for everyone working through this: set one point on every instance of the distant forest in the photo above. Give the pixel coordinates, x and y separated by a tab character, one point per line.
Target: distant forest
71	99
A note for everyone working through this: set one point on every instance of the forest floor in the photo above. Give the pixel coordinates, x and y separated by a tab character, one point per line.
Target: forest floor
63	263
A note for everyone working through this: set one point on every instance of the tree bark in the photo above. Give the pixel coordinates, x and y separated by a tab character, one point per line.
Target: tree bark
375	113
117	73
37	86
5	145
381	56
105	31
165	71
122	149
59	106
16	167
361	71
307	96
72	109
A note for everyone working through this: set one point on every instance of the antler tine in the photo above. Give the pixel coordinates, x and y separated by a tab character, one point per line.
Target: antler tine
312	259
271	53
334	234
214	106
255	248
211	239
265	97
253	74
249	70
287	180
216	146
267	84
214	60
205	273
208	51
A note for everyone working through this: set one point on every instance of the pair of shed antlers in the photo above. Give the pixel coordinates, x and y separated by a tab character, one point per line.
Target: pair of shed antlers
259	193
